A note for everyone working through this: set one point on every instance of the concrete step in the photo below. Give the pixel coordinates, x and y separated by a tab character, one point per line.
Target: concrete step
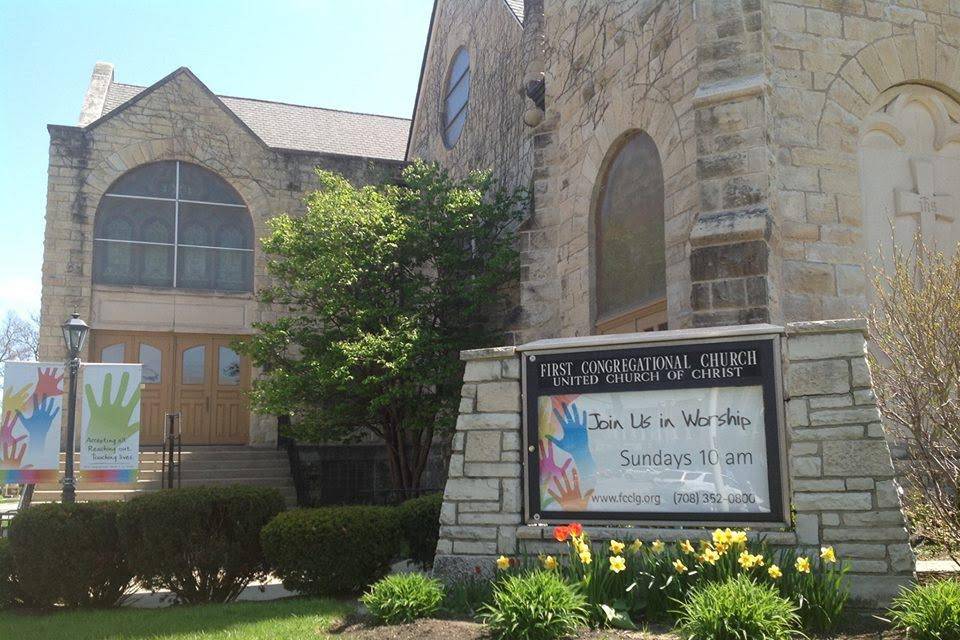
192	472
289	494
276	481
201	466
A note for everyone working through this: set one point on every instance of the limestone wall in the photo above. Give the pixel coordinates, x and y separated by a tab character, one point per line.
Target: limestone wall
829	62
493	136
841	479
691	74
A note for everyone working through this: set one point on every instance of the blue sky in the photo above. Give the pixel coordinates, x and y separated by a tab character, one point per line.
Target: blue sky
359	55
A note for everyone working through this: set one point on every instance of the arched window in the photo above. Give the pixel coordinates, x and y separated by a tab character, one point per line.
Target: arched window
173	224
456	95
629	235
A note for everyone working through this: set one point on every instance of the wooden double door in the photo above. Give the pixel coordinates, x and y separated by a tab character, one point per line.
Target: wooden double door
198	375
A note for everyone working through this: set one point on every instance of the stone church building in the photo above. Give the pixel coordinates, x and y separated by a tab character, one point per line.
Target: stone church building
692	163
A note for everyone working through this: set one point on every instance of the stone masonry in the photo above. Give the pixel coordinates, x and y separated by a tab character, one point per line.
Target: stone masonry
758	109
841	480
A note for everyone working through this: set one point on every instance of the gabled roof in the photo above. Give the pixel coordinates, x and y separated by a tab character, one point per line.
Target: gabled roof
301	128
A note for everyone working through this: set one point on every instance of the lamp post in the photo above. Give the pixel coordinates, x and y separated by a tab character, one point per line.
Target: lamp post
74	335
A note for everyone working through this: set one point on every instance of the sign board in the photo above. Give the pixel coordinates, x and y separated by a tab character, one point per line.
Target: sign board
30	431
110	422
681	432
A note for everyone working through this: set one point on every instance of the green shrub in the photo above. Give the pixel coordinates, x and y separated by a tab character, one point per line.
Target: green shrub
420	521
737	609
403	597
332	550
70	554
535	606
930	611
201	543
8	577
467	596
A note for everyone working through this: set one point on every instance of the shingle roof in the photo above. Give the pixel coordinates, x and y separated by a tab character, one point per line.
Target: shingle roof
516	6
302	128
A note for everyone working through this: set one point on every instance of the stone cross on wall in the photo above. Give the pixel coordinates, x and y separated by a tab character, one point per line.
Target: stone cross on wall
923	202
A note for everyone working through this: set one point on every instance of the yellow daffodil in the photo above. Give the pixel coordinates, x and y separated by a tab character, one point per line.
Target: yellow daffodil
585	556
636	545
827	554
679	566
774	571
721	547
758	561
617	564
657	546
704	544
616	547
739	537
745	560
549	563
723	536
709	556
686	547
503	563
803	565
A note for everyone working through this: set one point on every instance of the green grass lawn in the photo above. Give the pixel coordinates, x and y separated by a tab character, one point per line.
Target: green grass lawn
293	619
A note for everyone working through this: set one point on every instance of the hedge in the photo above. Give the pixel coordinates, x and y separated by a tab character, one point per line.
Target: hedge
70	554
201	543
8	577
420	521
332	550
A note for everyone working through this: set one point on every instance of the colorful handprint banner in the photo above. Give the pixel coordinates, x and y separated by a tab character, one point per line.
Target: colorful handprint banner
110	422
30	435
655	433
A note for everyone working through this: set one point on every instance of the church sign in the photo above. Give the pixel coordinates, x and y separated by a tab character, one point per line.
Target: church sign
687	432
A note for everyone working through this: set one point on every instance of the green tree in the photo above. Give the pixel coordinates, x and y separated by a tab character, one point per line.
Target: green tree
379	289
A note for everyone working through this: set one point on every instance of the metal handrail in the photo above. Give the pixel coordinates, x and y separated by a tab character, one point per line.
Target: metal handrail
172	443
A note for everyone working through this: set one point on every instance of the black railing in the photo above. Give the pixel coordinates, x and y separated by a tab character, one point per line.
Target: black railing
171	455
353	474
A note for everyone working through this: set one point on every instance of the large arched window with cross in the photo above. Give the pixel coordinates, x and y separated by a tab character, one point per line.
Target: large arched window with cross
176	225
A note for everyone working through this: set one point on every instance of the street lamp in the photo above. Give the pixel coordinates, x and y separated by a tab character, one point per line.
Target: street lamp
74	335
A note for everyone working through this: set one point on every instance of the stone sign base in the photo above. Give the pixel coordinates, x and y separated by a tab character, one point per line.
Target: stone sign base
840	476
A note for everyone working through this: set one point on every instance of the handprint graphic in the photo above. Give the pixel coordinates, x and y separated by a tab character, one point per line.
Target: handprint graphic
6	428
48	383
11	454
568	493
38	424
110	417
575	440
17	400
549	469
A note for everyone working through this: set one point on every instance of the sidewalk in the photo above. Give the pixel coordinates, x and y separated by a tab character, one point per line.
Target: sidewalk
271	589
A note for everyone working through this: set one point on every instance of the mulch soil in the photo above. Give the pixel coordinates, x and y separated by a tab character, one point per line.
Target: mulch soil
865	628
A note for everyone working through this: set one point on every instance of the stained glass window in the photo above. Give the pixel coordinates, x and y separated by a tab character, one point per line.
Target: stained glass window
630	253
173	224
